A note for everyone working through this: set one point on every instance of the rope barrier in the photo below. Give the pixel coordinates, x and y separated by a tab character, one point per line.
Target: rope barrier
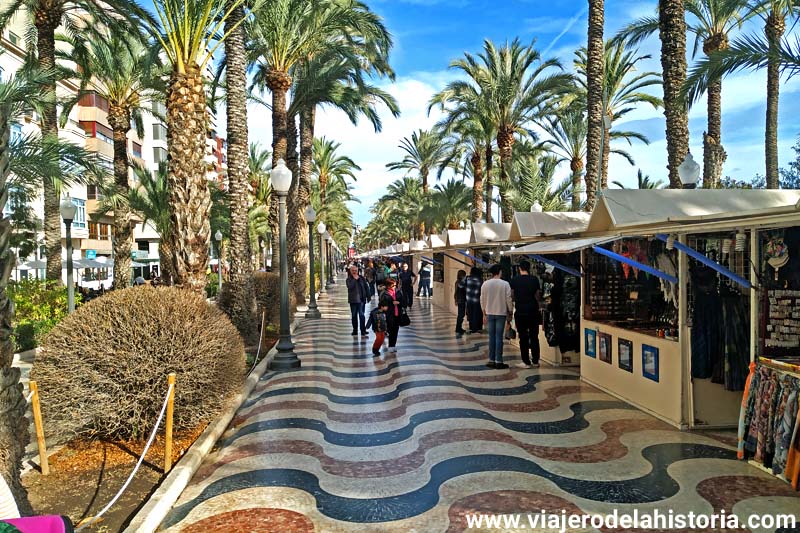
29	397
260	337
105	509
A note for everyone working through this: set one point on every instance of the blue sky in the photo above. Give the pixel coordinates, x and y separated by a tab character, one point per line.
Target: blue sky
428	34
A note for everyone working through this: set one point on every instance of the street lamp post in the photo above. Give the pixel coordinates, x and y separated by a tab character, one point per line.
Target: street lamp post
322	281
689	172
285	359
313	311
218	237
68	210
331	260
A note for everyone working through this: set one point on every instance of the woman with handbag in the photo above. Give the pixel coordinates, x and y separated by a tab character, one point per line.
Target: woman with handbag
396	315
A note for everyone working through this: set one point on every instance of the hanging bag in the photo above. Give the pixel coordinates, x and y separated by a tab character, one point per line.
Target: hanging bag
403	319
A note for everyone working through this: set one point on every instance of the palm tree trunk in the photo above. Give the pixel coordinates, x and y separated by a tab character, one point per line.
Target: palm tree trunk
505	145
303	199
13	423
296	224
594	98
774	28
47	19
190	201
242	303
576	165
120	121
279	84
672	31
489	185
606	155
477	186
165	258
714	155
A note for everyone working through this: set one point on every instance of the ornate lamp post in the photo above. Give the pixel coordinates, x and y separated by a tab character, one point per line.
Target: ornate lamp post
218	237
322	280
331	260
68	210
285	359
313	311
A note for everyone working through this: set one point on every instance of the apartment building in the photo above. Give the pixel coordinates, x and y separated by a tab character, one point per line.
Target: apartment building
92	230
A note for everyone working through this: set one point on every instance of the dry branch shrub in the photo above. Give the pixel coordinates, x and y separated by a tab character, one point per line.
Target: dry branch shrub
103	370
267	287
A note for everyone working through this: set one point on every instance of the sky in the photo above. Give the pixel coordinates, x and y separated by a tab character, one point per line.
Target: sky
429	34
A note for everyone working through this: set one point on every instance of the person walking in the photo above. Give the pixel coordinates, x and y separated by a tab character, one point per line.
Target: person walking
357	297
472	285
369	275
425	281
377	320
460	295
407	280
497	308
392	298
526	293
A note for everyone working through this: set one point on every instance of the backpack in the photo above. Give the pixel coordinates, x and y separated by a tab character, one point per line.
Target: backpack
380	275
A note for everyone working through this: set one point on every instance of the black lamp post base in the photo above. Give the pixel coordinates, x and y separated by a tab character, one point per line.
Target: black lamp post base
313	312
284	361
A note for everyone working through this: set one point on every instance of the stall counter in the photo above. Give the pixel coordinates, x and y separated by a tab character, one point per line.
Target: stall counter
661	398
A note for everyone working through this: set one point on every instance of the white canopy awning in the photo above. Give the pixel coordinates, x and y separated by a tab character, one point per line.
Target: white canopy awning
561	246
633	208
458	237
529	225
484	233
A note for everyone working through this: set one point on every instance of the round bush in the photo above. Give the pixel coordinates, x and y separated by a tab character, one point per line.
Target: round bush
102	371
267	288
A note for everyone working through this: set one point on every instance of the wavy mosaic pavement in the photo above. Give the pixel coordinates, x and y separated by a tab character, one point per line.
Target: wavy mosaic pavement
420	439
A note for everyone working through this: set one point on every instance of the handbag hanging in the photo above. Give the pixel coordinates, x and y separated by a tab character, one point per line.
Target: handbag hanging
404	320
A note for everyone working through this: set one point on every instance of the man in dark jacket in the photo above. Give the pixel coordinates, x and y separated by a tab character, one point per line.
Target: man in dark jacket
357	297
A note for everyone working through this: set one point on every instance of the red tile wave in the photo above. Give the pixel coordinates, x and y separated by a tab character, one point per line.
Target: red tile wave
257	520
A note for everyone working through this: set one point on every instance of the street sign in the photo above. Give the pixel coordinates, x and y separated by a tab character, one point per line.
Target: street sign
91	254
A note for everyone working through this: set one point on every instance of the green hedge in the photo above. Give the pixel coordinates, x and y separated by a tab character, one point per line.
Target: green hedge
38	307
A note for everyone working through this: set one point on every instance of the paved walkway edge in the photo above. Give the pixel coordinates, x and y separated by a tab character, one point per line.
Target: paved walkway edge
161	501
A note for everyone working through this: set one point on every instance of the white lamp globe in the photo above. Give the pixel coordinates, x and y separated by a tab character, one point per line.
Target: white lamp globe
67	208
321	228
280	177
218	235
689	172
311	215
536	207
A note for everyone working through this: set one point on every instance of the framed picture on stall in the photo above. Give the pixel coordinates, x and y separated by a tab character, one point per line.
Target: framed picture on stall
650	362
625	354
604	341
590	342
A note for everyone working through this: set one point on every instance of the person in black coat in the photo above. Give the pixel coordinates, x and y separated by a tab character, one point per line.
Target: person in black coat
357	297
393	299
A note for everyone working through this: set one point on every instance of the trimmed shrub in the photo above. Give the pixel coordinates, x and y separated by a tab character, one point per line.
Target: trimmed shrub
267	287
38	307
212	284
103	370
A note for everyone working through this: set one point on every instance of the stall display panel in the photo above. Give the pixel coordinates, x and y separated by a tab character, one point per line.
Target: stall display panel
780	300
438	267
621	295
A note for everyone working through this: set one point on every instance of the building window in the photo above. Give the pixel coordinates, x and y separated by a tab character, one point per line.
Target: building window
136	148
99	231
93	99
93	193
13	38
80	214
16	133
159	155
158	108
14	201
159	132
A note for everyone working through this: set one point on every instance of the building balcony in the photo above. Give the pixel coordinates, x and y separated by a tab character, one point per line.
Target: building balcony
102	246
93	144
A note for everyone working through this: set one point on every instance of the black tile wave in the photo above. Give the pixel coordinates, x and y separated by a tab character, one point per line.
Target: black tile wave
576	422
655	486
406	349
389	368
529	386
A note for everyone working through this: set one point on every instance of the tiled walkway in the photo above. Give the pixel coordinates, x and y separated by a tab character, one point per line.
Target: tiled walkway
415	441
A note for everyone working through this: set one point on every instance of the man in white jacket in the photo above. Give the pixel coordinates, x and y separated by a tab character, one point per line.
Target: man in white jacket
497	308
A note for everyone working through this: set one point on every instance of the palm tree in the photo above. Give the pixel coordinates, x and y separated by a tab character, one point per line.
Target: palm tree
450	205
44	17
595	76
189	35
535	183
122	71
713	21
622	92
259	165
425	151
403	206
748	52
568	140
643	182
672	32
150	200
517	88
335	212
242	302
330	166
